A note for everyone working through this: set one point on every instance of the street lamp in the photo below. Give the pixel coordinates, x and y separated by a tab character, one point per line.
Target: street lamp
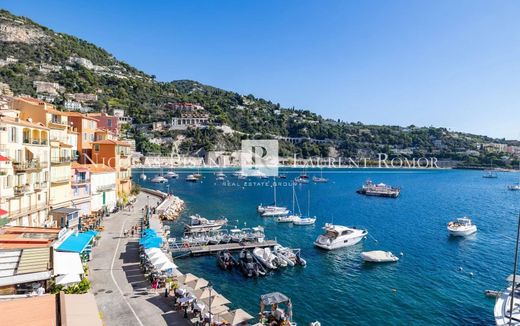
210	288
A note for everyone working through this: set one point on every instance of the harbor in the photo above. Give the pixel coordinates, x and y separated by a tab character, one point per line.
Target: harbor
213	249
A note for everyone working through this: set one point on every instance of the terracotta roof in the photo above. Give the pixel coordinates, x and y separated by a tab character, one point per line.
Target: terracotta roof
65	145
112	142
22	122
79	115
49	107
35	311
99	168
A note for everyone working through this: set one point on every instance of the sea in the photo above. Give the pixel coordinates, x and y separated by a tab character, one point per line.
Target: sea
439	280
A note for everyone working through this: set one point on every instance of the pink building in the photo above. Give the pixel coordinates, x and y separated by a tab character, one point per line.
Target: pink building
81	189
106	121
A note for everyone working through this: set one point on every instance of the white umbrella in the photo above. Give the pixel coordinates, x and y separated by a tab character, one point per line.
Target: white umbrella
216	301
219	309
204	293
167	265
197	284
236	317
186	278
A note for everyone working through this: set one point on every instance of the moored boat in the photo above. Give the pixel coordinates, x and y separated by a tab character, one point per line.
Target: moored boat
201	224
338	236
249	266
379	256
225	260
266	257
461	227
159	179
191	178
304	220
379	190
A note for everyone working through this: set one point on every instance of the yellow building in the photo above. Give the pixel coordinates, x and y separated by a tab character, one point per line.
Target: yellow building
115	154
24	178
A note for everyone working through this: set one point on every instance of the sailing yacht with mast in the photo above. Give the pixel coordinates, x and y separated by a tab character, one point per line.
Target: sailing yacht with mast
306	220
142	176
490	173
293	216
320	179
272	210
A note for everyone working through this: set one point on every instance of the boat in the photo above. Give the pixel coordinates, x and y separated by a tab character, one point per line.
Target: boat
225	260
197	174
258	234
201	224
236	235
492	293
142	176
266	257
171	175
338	236
220	178
379	256
220	174
294	215
320	179
290	256
286	219
249	266
159	179
301	180
490	174
276	309
224	236
304	220
515	187
272	210
461	227
191	178
379	190
282	176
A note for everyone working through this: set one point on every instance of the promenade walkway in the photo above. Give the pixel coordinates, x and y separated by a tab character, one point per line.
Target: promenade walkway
122	294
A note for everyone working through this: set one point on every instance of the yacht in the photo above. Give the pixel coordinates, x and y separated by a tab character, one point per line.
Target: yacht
191	178
378	190
201	224
338	236
515	187
304	221
379	256
461	227
286	219
272	210
320	179
172	175
159	179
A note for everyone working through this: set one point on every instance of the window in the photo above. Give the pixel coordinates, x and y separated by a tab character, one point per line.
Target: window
85	124
109	123
84	136
12	135
96	147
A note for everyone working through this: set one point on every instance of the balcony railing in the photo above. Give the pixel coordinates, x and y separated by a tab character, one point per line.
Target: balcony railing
27	165
35	141
60	180
80	181
20	190
106	188
60	160
13	213
39	186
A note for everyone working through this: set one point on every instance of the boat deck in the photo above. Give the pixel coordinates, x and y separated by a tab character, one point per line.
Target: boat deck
213	249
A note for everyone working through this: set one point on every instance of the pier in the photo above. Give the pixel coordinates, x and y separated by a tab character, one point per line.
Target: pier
213	249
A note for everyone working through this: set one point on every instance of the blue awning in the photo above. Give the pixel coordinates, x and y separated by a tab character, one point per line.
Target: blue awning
77	242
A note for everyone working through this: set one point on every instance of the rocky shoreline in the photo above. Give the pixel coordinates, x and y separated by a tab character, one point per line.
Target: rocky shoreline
170	207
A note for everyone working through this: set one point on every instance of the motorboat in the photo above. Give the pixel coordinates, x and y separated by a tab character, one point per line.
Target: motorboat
191	178
201	224
304	220
379	190
461	227
220	174
224	236
301	180
279	211
171	175
249	266
159	179
236	235
379	256
225	260
266	257
220	178
490	174
290	256
282	176
142	176
515	187
338	236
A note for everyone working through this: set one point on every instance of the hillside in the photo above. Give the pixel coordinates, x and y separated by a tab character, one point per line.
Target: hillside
31	54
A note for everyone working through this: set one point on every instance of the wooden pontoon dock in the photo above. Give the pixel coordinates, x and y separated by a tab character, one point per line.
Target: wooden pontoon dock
213	249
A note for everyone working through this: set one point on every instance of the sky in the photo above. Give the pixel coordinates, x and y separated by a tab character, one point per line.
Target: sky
443	63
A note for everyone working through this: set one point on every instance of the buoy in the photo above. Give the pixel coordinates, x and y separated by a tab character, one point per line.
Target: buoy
401	253
460	269
471	274
394	290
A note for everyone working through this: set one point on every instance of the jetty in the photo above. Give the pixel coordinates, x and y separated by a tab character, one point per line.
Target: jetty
213	249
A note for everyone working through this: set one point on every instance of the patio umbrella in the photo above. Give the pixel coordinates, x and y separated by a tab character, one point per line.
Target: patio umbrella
166	266
197	284
152	251
204	293
186	278
216	301
68	279
219	310
236	317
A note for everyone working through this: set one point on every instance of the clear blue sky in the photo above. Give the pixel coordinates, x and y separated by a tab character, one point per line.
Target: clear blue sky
454	64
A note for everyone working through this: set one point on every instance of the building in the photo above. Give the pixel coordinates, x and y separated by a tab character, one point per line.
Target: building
72	105
81	188
86	127
25	180
191	119
60	175
185	106
107	122
115	154
159	125
122	118
103	187
48	87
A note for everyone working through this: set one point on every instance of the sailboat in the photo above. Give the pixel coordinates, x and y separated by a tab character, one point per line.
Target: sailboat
303	178
171	174
306	220
515	187
320	179
293	216
272	210
142	176
159	178
197	175
220	176
490	173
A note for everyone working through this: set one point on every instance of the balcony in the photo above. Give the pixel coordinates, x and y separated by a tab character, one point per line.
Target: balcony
60	180
35	141
60	160
39	186
80	181
123	154
15	213
104	188
21	190
32	165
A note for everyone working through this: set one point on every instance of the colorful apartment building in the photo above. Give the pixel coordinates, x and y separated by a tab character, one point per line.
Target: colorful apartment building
81	188
103	187
106	121
115	154
25	179
86	127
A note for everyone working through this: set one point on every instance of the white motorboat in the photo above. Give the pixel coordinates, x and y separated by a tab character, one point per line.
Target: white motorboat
258	233
462	227
201	224
266	257
304	220
379	190
159	179
290	256
338	236
515	187
236	235
220	174
220	178
191	178
379	256
172	175
280	211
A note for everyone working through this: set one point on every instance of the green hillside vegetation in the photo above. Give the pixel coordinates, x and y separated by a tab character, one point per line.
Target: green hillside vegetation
144	99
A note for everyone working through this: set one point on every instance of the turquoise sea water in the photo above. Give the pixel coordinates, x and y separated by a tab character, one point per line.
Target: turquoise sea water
426	287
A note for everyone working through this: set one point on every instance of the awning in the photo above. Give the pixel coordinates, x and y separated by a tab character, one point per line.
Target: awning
3	159
77	242
25	278
34	260
3	212
236	317
67	263
65	211
68	279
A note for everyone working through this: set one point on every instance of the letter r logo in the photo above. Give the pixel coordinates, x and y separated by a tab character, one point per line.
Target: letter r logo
259	158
